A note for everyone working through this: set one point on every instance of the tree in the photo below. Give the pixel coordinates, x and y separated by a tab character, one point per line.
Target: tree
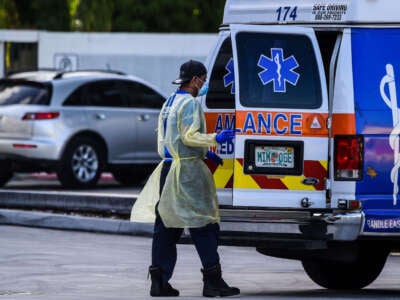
112	15
40	14
167	15
8	14
95	15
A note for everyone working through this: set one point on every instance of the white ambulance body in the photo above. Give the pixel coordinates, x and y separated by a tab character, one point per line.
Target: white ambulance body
310	87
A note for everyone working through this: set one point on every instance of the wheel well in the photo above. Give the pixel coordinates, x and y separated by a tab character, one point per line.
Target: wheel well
95	136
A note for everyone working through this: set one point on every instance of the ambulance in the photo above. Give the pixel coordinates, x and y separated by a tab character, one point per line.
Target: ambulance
310	86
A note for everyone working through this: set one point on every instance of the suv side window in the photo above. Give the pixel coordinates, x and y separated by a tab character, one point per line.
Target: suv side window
221	93
104	93
139	95
278	70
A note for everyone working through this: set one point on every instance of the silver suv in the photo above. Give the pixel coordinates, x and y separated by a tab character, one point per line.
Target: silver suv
78	124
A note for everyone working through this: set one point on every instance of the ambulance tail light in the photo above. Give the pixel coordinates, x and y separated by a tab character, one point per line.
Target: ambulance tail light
348	157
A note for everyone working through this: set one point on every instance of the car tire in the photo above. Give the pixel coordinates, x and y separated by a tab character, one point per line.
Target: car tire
81	164
133	176
6	172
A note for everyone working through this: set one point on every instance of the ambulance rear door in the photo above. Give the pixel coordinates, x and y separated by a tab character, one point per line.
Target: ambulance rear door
281	145
219	109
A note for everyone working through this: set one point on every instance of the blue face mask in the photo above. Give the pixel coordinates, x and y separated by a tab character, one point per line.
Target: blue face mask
204	90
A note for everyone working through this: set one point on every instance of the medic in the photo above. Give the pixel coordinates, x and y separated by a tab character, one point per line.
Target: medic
187	196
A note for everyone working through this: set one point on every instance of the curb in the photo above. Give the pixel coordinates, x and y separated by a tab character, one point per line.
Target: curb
71	222
72	202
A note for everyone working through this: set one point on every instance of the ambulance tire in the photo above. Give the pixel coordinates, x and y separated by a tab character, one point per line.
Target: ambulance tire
6	172
346	276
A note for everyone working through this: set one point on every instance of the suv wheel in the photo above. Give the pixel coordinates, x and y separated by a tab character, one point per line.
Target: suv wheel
81	164
5	172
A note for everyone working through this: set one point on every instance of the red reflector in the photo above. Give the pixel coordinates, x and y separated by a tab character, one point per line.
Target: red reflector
33	116
348	157
26	146
354	204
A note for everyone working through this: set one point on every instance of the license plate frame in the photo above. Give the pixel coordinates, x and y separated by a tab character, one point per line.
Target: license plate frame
258	157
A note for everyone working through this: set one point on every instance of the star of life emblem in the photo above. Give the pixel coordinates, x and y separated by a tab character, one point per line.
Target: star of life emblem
229	78
278	70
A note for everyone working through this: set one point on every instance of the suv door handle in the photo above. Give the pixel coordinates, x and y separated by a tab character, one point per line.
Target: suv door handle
100	116
144	117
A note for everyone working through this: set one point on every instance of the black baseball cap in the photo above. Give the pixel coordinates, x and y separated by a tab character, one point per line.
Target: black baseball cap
188	70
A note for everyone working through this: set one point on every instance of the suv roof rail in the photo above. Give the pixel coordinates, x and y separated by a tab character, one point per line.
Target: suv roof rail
62	73
10	73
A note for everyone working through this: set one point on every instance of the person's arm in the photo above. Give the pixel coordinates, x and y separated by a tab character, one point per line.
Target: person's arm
191	120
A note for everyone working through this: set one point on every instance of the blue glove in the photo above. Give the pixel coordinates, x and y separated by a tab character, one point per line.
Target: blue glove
214	157
225	135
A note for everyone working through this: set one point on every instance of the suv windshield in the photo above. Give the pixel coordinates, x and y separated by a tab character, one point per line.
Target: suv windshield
13	92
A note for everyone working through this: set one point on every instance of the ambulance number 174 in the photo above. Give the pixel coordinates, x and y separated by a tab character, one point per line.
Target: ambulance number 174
286	12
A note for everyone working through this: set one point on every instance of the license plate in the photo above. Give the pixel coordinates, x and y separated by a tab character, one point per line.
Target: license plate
274	157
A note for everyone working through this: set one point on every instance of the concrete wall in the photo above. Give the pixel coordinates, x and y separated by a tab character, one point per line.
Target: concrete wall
154	57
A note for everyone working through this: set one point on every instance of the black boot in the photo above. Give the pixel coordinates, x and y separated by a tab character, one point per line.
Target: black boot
214	285
158	288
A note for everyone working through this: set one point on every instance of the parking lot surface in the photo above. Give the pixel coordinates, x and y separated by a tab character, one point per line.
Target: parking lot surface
54	264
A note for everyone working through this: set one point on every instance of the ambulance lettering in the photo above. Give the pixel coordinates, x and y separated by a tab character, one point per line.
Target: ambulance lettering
391	102
224	121
273	124
383	223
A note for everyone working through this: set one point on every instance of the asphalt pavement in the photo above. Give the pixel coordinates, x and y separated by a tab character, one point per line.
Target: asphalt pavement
67	263
42	264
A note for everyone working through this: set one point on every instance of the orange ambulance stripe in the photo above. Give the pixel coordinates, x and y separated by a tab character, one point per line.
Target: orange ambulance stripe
219	120
343	124
304	124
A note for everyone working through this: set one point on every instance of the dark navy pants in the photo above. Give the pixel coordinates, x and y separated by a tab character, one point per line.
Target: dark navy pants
164	253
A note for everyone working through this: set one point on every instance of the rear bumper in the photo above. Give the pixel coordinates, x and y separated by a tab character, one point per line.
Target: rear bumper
25	164
254	227
40	149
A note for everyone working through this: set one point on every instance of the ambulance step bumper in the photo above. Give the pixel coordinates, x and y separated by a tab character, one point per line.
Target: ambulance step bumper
304	225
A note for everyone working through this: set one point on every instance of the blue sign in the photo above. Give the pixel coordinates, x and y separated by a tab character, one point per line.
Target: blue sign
382	221
376	74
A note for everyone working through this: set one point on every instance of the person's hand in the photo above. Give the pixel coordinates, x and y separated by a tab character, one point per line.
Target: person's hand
214	157
225	135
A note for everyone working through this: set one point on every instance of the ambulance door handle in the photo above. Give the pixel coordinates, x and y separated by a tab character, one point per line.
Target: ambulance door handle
144	117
